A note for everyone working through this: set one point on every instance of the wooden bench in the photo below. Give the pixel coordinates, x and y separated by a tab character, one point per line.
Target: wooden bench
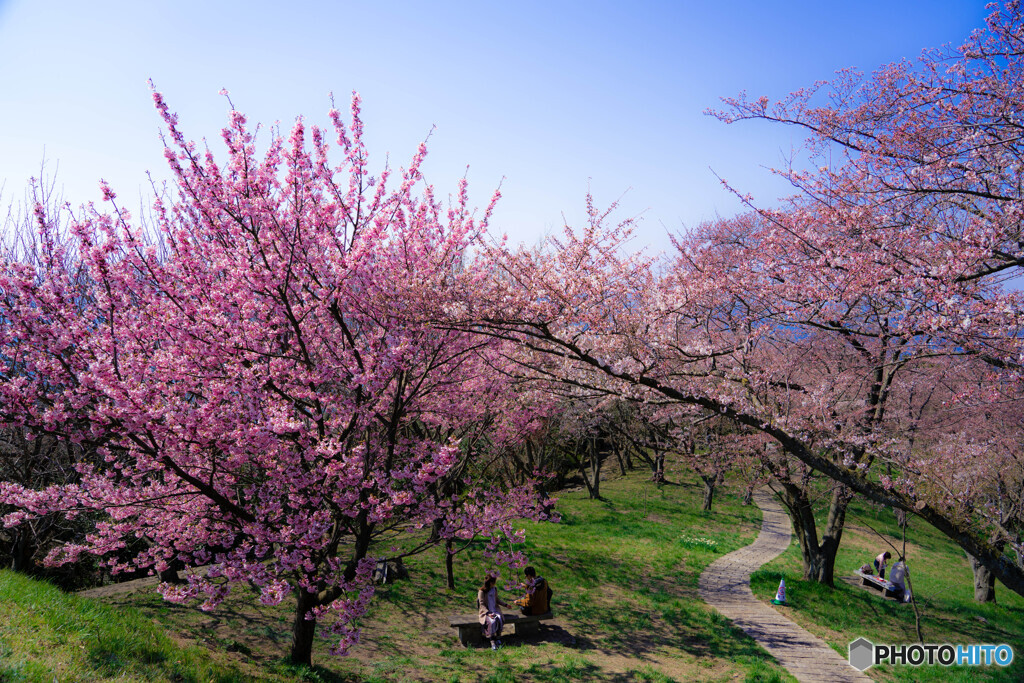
887	589
469	625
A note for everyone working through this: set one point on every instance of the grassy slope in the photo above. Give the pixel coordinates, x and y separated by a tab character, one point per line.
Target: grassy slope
624	571
943	586
46	635
625	582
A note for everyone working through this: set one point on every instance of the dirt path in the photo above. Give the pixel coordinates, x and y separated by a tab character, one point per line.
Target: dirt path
133	586
725	585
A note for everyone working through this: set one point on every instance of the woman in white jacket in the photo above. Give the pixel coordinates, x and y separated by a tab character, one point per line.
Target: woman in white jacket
489	610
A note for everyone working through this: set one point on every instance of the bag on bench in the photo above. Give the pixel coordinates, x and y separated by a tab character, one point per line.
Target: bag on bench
492	626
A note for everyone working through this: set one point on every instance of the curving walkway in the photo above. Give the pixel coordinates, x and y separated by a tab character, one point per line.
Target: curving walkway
725	585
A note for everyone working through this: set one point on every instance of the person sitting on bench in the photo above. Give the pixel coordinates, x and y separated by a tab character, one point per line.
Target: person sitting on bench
488	606
538	594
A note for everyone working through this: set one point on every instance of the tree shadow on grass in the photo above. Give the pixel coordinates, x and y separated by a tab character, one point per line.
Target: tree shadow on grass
641	633
710	638
576	671
237	625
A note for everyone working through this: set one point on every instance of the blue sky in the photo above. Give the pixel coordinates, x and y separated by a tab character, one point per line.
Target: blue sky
552	96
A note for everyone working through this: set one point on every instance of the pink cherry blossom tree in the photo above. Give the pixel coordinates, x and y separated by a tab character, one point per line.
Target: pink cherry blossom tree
768	359
927	183
258	371
961	432
802	322
715	330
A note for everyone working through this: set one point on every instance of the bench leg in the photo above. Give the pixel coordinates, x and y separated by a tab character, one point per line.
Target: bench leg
470	635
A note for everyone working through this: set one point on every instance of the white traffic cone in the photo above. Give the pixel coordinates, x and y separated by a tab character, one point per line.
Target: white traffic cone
780	595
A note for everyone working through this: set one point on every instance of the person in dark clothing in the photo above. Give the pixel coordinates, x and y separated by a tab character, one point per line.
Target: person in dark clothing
537	594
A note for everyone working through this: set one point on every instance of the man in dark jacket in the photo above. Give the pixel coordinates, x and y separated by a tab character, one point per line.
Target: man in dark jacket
538	594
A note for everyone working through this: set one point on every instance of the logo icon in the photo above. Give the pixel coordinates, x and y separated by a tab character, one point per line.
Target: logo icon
862	654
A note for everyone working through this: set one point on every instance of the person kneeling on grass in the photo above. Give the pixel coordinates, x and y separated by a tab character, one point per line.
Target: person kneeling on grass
489	611
538	594
898	578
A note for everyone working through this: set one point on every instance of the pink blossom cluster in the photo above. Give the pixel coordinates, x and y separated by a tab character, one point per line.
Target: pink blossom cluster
260	370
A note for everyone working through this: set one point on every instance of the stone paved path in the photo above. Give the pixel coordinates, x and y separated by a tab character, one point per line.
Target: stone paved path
725	585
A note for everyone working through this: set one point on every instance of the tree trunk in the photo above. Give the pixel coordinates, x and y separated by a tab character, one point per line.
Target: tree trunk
984	581
658	468
435	531
449	565
170	575
303	629
709	491
819	558
618	456
22	552
591	470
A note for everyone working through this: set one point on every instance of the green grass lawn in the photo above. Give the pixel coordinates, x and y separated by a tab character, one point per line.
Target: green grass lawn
624	572
943	587
47	635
